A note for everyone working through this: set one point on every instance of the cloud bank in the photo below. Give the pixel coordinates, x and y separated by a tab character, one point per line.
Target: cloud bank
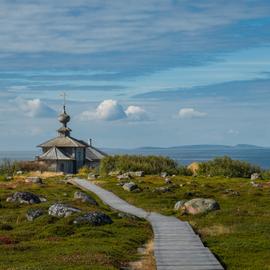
188	113
111	110
35	108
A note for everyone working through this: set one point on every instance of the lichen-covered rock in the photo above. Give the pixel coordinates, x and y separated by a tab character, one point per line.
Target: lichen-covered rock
168	180
62	210
93	219
114	173
200	206
179	205
33	180
24	197
162	189
123	176
130	186
78	195
164	174
33	214
136	174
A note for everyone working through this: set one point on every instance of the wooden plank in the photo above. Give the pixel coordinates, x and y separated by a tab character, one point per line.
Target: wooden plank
176	246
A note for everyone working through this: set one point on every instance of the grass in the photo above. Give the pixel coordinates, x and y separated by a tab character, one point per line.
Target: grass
238	234
52	243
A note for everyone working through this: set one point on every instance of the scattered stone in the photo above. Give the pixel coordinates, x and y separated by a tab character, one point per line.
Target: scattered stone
33	180
33	214
232	192
199	206
24	197
257	185
78	195
136	174
130	186
92	176
62	210
126	215
255	176
114	173
168	180
93	219
162	189
68	176
164	174
19	172
179	205
123	176
9	178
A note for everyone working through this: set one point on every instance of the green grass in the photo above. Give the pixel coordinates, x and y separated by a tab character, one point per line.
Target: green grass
238	234
52	243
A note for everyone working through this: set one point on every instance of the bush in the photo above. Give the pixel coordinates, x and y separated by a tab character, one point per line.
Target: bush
148	164
184	170
225	166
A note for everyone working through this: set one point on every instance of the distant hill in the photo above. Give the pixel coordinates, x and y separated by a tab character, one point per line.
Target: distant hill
189	153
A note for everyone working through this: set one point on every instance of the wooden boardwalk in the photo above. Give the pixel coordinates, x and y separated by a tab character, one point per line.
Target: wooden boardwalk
176	246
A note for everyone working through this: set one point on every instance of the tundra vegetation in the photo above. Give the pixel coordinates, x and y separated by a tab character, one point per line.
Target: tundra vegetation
239	232
49	242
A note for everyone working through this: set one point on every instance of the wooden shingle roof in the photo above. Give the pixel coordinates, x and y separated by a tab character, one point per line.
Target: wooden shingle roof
92	153
64	141
54	154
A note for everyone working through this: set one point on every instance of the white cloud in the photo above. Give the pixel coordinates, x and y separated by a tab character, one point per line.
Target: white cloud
110	110
35	108
136	113
233	132
188	113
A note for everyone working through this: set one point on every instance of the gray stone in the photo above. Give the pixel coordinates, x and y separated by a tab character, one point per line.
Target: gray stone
130	186
179	205
24	197
164	174
162	189
33	214
19	172
33	180
255	176
78	195
168	180
62	210
200	206
123	176
257	185
136	174
93	219
92	176
114	173
231	192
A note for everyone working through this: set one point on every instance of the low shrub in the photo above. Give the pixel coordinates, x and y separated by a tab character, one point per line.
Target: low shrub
225	166
148	164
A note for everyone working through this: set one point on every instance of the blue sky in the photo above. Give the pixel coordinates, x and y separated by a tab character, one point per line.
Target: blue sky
137	73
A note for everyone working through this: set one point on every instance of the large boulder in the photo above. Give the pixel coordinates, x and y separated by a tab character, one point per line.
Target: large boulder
24	197
93	219
130	186
62	210
33	180
33	214
78	195
179	205
200	206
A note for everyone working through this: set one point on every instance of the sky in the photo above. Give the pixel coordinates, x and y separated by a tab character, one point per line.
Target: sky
136	73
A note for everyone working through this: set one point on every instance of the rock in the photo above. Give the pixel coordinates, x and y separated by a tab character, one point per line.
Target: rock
78	195
93	219
114	173
127	215
136	174
9	178
130	186
255	176
92	176
62	210
200	206
19	172
24	197
162	189
33	214
232	192
68	176
168	180
257	185
123	176
164	174
179	205
33	180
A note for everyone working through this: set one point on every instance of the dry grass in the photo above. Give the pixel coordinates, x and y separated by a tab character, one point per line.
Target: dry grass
148	260
216	230
45	174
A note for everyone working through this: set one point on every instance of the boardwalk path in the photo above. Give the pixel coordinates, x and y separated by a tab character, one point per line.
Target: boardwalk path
177	247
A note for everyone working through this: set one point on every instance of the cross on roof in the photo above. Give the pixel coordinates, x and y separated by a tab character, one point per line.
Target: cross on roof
64	95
